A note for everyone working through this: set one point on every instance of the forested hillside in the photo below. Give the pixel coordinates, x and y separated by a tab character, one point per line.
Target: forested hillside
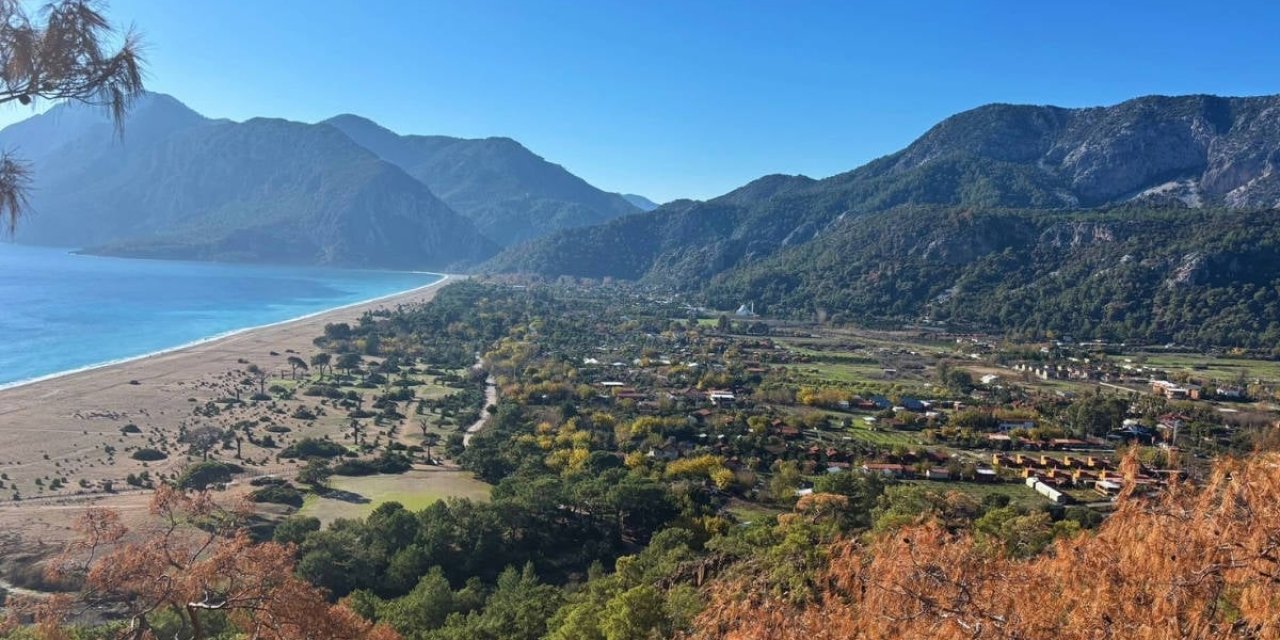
1161	175
1137	275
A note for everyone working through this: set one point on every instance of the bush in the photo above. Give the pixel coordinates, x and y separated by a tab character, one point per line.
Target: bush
130	428
279	494
278	428
387	463
202	474
149	455
313	448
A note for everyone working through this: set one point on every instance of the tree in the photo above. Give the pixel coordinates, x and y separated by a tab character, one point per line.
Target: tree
196	561
430	440
70	56
296	363
260	376
321	361
1195	562
349	361
202	439
316	473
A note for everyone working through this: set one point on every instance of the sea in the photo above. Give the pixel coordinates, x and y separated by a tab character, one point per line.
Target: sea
62	312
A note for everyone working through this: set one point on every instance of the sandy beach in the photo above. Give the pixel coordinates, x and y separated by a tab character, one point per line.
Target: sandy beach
69	427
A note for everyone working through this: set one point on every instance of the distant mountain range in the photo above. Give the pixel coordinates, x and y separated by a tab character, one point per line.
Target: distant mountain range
342	192
841	245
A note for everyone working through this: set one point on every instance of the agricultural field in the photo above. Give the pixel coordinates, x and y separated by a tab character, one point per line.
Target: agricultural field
356	497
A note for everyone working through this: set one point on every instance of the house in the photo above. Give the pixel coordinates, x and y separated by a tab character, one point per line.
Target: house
721	398
1107	488
1009	425
1174	391
887	470
666	452
938	473
1231	393
911	404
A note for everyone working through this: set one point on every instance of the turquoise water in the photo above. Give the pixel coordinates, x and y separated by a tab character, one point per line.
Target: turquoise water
61	312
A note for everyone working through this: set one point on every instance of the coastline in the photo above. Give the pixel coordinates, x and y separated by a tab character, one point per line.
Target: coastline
363	304
70	424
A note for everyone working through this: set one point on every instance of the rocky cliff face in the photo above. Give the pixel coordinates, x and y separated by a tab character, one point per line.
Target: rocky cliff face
1192	150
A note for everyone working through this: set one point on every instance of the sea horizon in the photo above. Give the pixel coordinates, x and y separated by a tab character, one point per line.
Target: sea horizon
55	323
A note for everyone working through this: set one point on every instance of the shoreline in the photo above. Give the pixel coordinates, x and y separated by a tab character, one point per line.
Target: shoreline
17	384
69	426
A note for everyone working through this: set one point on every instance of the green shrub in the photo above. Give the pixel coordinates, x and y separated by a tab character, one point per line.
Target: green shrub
202	474
149	455
313	448
278	494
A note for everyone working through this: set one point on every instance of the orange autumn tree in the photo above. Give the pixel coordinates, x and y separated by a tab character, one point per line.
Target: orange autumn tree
1194	563
195	558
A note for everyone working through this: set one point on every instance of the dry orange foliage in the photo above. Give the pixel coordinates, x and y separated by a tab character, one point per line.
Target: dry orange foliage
194	558
1193	563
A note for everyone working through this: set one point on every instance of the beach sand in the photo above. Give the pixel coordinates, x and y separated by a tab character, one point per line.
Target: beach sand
70	426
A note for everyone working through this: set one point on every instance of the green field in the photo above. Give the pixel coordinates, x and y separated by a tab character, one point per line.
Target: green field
1219	368
416	489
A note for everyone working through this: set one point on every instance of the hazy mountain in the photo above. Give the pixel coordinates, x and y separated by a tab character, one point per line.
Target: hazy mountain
640	202
510	193
179	185
1187	152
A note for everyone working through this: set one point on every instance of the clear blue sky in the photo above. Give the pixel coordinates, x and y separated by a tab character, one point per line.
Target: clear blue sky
691	98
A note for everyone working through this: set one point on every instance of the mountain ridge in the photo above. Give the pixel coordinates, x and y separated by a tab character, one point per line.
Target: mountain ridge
511	193
1039	157
173	183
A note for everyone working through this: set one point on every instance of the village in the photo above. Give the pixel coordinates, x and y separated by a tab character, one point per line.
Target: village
755	394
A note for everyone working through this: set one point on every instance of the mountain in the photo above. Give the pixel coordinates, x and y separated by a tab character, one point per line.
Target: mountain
1136	274
178	185
640	202
510	193
1191	151
781	239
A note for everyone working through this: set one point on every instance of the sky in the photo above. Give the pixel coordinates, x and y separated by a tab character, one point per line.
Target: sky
690	98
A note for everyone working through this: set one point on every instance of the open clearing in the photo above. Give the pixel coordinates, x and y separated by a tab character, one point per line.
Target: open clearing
415	489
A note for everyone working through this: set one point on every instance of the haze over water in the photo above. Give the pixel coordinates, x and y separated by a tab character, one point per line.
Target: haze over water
60	311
